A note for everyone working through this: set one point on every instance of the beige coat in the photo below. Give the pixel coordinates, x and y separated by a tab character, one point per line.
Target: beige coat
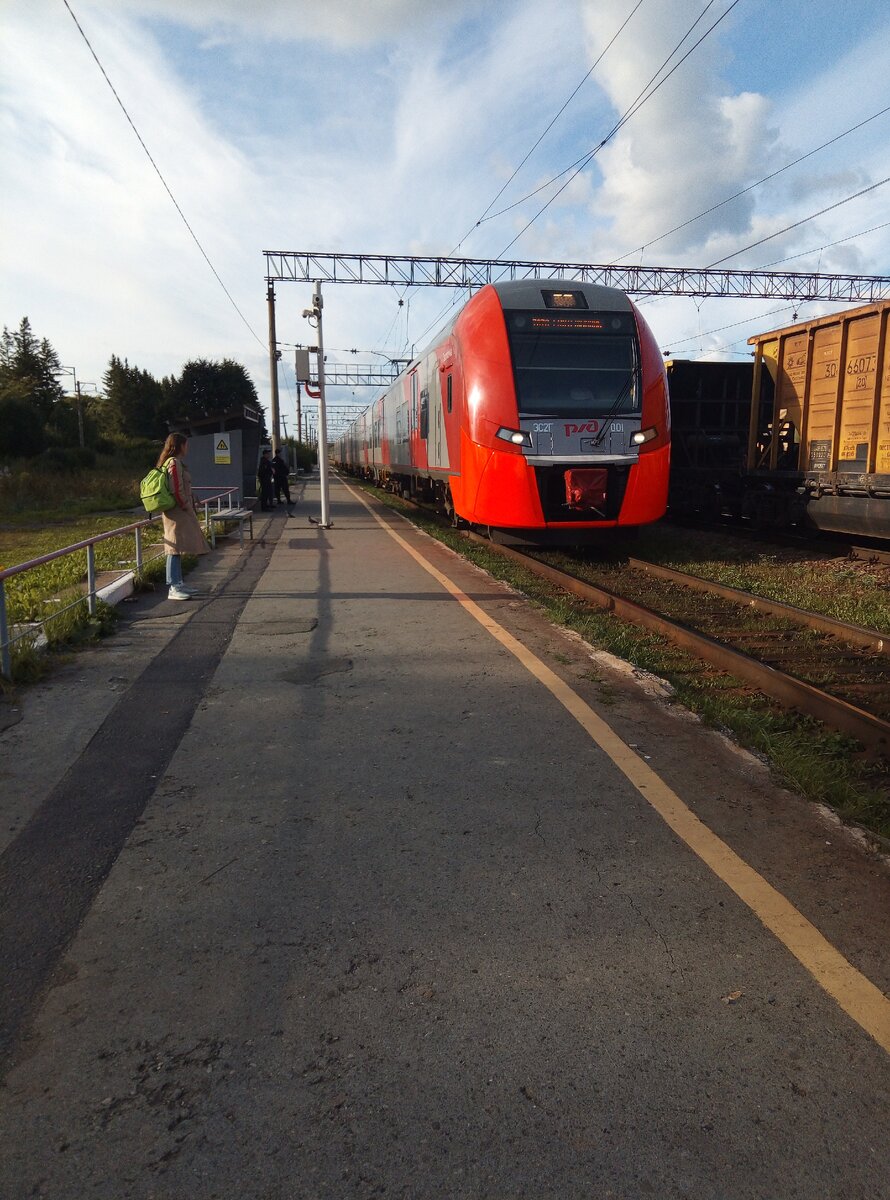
182	531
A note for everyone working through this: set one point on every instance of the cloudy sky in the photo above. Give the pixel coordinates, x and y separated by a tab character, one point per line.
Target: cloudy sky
394	126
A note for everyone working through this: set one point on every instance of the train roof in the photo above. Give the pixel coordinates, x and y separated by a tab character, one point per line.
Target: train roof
708	363
837	318
529	293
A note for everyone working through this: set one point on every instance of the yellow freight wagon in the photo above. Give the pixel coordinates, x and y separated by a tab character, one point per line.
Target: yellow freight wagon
820	419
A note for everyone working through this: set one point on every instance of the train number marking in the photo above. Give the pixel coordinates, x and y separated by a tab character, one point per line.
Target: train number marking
861	365
542	428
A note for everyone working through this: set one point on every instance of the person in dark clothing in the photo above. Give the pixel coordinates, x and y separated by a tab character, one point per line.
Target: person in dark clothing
279	466
265	474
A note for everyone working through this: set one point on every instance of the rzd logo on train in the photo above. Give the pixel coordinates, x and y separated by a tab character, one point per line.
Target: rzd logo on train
590	427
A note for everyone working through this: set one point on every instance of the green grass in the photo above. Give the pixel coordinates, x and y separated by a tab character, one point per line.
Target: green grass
29	496
47	596
29	596
852	591
71	630
821	765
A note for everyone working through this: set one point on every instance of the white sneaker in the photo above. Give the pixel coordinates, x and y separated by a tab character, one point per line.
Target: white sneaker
177	593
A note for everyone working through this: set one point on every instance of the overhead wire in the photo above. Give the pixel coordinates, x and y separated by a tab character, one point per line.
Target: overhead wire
828	245
733	325
585	158
553	121
752	186
783	308
796	224
642	98
647	92
160	176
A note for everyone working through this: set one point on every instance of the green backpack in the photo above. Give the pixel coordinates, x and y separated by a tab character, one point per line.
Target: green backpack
154	491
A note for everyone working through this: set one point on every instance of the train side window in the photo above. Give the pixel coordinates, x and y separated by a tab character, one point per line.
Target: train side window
425	413
448	389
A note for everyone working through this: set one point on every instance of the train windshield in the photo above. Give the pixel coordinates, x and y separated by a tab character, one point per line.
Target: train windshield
566	364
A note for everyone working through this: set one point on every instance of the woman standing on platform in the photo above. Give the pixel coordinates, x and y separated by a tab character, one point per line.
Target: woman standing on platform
182	532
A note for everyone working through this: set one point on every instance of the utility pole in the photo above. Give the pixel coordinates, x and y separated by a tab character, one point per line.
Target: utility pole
299	414
72	371
79	413
315	311
273	367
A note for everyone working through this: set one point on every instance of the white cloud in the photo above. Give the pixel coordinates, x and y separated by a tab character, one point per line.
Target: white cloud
340	22
688	146
388	129
100	238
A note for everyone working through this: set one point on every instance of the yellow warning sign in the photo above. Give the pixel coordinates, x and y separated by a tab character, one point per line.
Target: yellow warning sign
222	452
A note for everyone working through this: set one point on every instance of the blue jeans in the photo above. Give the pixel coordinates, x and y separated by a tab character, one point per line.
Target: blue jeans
174	570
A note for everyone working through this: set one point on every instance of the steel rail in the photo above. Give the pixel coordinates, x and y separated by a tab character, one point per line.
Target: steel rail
866	554
856	635
871	731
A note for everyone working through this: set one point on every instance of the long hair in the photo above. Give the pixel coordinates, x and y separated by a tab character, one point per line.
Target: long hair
172	447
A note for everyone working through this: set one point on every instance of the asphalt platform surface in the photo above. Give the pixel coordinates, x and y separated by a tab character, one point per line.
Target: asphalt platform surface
310	889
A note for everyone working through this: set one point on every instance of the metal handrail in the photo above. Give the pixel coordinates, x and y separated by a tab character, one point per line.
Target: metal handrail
87	544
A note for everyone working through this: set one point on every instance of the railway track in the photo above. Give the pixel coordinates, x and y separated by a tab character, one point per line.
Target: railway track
836	672
870	554
843	545
828	669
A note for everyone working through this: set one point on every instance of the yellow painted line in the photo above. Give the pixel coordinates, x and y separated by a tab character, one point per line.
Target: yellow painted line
856	995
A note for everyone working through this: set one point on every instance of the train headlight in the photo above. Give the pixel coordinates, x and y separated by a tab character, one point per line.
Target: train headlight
517	436
644	435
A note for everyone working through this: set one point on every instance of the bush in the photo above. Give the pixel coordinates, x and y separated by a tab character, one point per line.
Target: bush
21	428
301	455
67	459
139	453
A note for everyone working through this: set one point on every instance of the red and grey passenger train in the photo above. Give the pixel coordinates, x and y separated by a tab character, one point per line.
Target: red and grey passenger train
539	413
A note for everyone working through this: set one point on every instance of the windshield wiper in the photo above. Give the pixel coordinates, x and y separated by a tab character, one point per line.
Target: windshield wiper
619	400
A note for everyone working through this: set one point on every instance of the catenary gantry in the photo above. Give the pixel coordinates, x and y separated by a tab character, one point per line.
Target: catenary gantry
304	266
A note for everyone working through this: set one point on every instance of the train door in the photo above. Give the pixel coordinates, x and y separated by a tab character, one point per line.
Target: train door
414	456
859	394
436	446
882	410
829	347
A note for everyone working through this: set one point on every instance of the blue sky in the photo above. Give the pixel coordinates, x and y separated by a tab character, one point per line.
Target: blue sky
388	126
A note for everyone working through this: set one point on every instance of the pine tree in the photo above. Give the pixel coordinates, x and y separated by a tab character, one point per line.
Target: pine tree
134	400
29	369
206	387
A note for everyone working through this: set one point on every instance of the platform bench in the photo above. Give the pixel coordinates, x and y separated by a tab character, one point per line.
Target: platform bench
232	516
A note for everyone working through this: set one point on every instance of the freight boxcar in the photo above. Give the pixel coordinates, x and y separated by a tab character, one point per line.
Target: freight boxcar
799	436
710	411
825	423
